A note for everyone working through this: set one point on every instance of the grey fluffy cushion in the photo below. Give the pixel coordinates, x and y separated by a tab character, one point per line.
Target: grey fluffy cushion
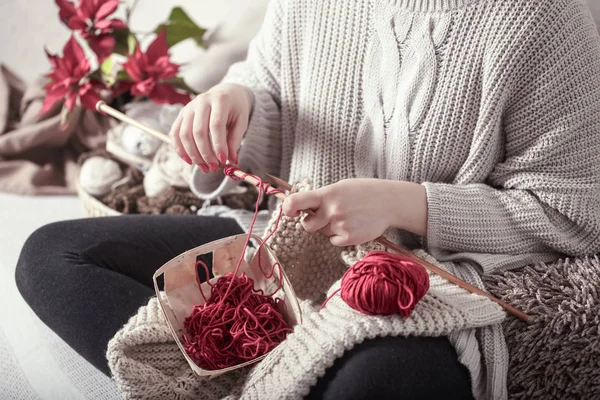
557	357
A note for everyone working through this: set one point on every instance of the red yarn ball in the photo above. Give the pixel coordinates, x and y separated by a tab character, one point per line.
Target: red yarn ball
383	283
229	330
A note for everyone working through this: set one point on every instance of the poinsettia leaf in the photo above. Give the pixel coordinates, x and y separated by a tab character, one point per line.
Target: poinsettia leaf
123	37
131	43
106	75
107	66
179	83
97	75
180	27
122	75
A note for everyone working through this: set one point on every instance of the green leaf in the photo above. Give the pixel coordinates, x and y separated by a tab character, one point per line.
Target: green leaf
131	43
107	65
179	83
180	27
123	39
96	75
122	75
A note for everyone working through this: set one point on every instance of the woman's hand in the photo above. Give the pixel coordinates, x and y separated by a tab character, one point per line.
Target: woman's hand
210	128
355	211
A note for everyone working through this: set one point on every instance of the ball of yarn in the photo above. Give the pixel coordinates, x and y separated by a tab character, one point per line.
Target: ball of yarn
154	182
383	283
98	174
139	143
157	116
167	169
233	327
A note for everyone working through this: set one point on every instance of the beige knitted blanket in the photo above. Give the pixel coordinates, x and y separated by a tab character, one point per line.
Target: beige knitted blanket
147	364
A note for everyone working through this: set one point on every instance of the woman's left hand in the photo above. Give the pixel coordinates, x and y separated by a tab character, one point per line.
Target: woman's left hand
355	211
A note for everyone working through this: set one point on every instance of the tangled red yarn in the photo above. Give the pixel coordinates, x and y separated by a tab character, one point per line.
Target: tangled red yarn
236	323
226	331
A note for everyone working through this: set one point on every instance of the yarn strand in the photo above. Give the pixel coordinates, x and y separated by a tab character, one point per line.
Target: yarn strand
237	323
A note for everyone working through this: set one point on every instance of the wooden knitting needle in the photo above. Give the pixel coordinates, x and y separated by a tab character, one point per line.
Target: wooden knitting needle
432	268
102	107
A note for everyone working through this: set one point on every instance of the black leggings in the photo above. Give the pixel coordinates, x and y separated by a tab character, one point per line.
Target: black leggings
85	278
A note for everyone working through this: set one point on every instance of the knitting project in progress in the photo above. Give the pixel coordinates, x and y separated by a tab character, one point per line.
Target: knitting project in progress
492	105
156	369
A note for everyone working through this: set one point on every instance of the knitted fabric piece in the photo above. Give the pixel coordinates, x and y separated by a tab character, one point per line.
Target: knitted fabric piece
144	365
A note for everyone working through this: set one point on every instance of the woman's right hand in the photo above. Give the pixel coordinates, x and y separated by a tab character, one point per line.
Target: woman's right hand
210	128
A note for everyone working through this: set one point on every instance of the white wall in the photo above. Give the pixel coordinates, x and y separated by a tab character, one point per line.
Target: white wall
26	26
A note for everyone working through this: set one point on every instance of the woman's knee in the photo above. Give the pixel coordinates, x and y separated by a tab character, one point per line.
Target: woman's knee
41	249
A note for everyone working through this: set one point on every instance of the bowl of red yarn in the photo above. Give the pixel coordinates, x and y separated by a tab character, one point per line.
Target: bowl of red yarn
236	317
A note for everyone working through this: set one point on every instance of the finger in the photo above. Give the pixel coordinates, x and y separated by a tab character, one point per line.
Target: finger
202	138
176	142
313	223
219	114
188	142
340	240
234	139
327	231
297	202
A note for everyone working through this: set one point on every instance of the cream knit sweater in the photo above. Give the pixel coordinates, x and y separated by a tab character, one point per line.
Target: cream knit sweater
493	105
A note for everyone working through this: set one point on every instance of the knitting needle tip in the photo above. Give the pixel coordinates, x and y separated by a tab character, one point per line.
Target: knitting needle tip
279	182
99	105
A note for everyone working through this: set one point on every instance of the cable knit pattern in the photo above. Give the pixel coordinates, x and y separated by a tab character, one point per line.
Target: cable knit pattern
492	105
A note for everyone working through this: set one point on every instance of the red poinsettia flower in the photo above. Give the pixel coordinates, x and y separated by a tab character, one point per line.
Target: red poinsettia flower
90	18
69	79
150	70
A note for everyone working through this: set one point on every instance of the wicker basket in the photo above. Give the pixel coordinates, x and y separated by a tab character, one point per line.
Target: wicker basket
92	207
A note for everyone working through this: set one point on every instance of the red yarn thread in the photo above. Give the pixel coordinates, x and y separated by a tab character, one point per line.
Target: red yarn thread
236	323
383	283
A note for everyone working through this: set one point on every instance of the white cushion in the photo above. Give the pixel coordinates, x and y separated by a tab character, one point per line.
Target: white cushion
228	43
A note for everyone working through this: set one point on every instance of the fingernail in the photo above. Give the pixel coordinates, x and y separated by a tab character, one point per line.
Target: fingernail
187	159
214	166
204	167
222	158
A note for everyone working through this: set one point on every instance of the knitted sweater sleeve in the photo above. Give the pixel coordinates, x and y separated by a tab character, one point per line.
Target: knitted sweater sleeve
261	147
544	195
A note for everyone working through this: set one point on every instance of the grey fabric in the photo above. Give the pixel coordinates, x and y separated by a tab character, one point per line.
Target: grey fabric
14	384
558	357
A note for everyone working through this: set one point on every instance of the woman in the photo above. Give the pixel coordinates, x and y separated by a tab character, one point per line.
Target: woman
471	126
